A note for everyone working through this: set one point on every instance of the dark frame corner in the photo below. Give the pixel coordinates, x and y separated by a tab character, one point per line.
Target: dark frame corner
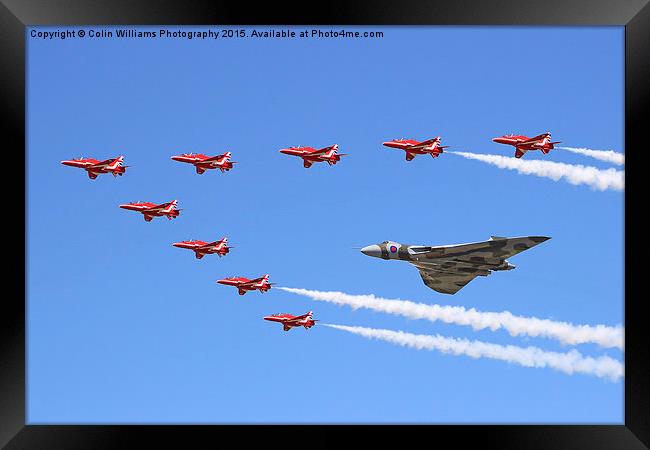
15	15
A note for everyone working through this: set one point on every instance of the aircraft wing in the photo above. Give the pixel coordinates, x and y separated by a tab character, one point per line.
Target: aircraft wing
494	248
535	139
157	207
103	163
252	282
298	318
215	158
321	151
160	208
445	281
425	143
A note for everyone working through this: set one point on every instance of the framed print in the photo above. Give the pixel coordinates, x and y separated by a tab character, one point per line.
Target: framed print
367	222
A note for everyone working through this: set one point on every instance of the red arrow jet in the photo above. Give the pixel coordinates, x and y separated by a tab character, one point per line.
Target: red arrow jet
244	285
523	143
202	162
202	248
94	167
151	210
310	155
289	321
413	147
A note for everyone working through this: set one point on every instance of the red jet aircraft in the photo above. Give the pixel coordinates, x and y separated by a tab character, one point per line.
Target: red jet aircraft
94	167
151	210
202	248
413	147
289	321
244	285
523	143
202	162
310	155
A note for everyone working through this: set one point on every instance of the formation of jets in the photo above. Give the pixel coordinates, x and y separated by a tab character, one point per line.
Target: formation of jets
311	155
445	268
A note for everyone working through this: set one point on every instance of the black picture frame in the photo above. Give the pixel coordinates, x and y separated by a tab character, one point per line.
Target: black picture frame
15	15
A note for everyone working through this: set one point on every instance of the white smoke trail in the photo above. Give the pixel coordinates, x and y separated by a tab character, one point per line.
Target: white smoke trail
574	174
609	156
566	333
571	362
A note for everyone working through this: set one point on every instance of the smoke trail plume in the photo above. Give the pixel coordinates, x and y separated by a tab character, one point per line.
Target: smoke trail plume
574	174
609	156
566	333
570	363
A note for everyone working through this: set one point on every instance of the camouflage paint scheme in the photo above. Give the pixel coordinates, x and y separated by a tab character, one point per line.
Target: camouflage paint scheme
448	268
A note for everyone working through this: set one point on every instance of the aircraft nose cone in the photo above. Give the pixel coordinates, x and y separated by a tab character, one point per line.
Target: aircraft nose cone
371	250
285	151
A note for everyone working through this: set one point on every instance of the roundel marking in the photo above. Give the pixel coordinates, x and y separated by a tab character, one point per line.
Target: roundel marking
393	249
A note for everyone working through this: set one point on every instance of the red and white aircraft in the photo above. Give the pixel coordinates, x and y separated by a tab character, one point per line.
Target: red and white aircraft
413	147
151	210
310	155
289	321
244	285
202	248
203	162
523	143
94	167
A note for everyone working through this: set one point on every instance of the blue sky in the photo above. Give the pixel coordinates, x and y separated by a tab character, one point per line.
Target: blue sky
125	328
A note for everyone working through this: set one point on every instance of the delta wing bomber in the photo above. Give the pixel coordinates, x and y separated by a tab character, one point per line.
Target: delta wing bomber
448	268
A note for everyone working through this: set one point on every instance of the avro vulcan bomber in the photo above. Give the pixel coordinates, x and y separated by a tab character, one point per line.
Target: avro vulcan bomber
448	268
